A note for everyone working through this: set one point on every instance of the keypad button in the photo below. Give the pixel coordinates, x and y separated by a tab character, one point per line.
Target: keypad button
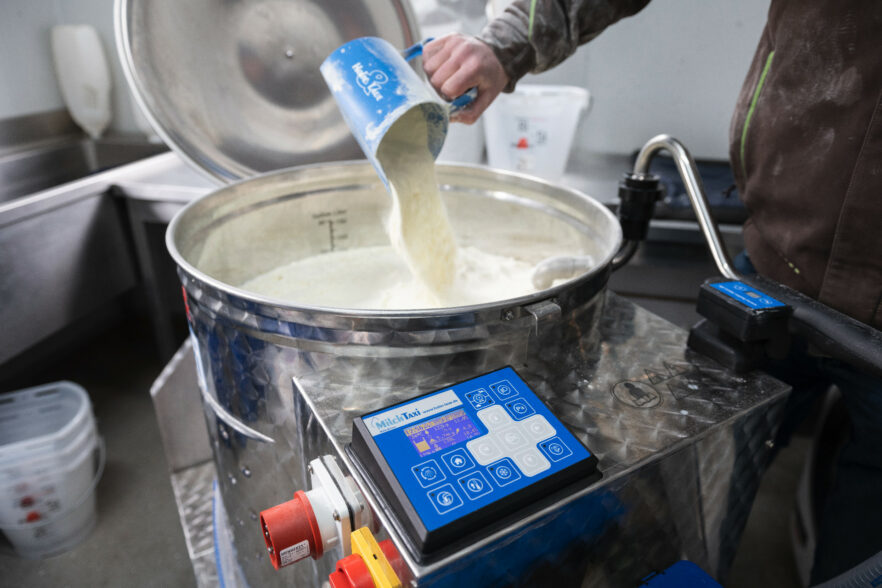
519	408
555	449
428	473
531	462
457	461
484	449
538	427
475	485
511	439
494	418
503	389
504	472
444	498
479	398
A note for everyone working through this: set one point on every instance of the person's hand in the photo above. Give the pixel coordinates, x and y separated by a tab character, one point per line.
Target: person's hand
455	63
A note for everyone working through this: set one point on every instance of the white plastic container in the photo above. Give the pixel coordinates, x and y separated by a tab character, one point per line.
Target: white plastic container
531	130
83	76
464	143
50	461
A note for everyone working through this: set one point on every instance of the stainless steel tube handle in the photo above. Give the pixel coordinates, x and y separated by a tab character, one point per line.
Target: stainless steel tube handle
828	330
694	189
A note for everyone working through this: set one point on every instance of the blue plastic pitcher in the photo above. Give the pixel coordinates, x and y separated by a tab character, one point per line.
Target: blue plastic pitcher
374	87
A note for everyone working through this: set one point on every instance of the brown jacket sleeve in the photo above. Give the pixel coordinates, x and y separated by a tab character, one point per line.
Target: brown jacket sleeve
535	35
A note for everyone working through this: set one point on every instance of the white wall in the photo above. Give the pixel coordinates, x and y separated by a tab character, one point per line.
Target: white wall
676	67
26	68
28	82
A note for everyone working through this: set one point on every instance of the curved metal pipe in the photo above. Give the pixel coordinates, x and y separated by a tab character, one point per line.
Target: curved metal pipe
694	189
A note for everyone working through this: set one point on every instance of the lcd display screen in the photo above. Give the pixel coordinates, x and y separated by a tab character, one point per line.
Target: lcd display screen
442	432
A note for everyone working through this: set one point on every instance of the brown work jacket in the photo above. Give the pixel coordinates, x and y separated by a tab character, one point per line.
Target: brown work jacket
806	150
806	136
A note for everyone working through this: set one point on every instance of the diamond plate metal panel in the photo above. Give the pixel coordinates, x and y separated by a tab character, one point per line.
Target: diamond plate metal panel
681	443
193	488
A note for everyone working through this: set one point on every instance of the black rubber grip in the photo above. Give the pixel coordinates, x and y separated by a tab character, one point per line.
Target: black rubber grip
829	331
637	198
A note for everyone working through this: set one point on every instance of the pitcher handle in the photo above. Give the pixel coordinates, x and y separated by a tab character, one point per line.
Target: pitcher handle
416	50
457	103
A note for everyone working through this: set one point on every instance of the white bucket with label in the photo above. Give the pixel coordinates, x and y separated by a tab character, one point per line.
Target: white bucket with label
51	459
531	130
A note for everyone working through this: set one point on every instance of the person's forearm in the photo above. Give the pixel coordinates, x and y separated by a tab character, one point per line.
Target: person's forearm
535	35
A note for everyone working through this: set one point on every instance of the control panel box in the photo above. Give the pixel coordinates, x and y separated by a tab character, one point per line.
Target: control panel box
453	463
743	311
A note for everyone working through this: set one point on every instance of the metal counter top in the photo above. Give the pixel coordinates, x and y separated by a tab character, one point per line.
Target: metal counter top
165	178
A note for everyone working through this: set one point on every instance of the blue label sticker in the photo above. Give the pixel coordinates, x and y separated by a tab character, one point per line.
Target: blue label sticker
746	295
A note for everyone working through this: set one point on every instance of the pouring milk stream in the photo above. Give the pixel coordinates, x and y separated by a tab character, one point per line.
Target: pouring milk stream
400	124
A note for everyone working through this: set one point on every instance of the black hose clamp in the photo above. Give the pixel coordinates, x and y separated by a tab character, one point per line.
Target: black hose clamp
638	194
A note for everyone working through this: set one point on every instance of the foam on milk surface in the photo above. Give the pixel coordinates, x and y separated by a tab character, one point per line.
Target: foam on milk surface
377	278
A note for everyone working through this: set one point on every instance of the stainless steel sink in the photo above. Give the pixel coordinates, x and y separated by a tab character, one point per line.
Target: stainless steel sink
51	163
64	251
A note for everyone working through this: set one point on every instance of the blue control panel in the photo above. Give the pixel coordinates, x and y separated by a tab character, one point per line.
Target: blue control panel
747	295
468	448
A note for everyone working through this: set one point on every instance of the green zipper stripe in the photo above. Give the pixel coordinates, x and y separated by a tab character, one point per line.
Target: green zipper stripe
532	15
756	95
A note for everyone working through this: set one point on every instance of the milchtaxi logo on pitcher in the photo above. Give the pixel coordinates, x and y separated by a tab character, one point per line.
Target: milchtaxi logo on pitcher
371	82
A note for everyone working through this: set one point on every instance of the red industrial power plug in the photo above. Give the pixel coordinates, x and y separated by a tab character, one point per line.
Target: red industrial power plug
314	522
291	531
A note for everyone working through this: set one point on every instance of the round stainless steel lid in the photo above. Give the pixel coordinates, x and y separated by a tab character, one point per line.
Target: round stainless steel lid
234	85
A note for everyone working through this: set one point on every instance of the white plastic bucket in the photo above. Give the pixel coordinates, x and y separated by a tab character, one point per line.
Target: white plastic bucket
50	461
531	130
464	143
